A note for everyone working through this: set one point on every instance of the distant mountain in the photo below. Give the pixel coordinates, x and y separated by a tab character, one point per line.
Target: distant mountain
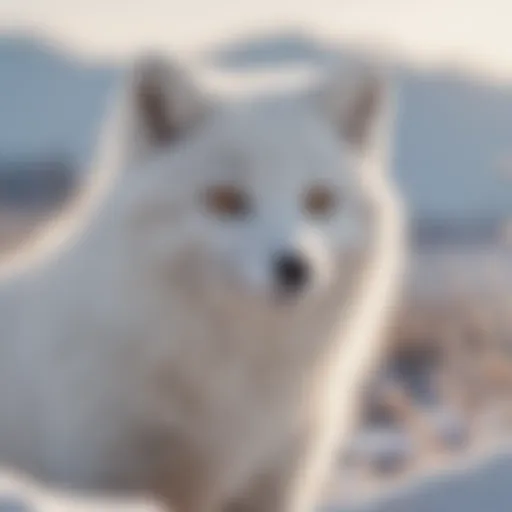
274	50
50	101
454	132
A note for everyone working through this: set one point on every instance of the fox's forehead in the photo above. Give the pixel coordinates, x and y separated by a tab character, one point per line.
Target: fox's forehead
273	141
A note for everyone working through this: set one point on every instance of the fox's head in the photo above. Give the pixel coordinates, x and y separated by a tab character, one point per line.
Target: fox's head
275	200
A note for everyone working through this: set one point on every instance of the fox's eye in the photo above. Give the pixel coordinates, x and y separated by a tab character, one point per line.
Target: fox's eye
227	201
319	201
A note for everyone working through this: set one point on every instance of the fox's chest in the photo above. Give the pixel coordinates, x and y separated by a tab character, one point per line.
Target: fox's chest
226	421
235	396
235	405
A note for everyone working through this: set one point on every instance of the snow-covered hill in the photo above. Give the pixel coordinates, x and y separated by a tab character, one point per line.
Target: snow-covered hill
50	102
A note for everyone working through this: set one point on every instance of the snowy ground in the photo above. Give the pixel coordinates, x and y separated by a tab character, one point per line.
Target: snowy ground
472	485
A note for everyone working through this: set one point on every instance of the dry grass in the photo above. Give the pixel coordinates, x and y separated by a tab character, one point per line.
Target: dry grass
449	356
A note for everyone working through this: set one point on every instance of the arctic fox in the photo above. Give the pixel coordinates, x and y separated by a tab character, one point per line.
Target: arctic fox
205	334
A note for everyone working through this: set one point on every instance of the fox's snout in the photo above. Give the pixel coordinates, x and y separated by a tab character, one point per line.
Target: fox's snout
291	272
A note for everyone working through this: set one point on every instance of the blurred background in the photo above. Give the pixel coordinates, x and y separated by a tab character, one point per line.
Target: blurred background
442	404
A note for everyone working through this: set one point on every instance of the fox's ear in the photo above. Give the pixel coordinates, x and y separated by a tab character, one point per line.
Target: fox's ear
356	99
163	104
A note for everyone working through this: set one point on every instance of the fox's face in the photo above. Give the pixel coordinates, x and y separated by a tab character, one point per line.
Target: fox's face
270	201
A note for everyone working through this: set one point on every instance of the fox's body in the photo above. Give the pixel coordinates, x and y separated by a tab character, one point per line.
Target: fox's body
205	334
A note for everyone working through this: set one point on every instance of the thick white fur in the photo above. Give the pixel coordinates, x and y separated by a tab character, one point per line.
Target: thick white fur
149	352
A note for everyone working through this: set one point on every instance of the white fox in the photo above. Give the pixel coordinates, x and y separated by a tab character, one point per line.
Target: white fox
205	334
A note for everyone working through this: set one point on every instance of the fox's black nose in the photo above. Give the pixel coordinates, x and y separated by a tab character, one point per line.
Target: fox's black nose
291	272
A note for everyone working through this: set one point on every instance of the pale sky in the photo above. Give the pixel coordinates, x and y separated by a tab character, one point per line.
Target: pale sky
470	33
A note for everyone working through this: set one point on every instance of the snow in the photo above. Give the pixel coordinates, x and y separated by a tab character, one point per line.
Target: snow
483	483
